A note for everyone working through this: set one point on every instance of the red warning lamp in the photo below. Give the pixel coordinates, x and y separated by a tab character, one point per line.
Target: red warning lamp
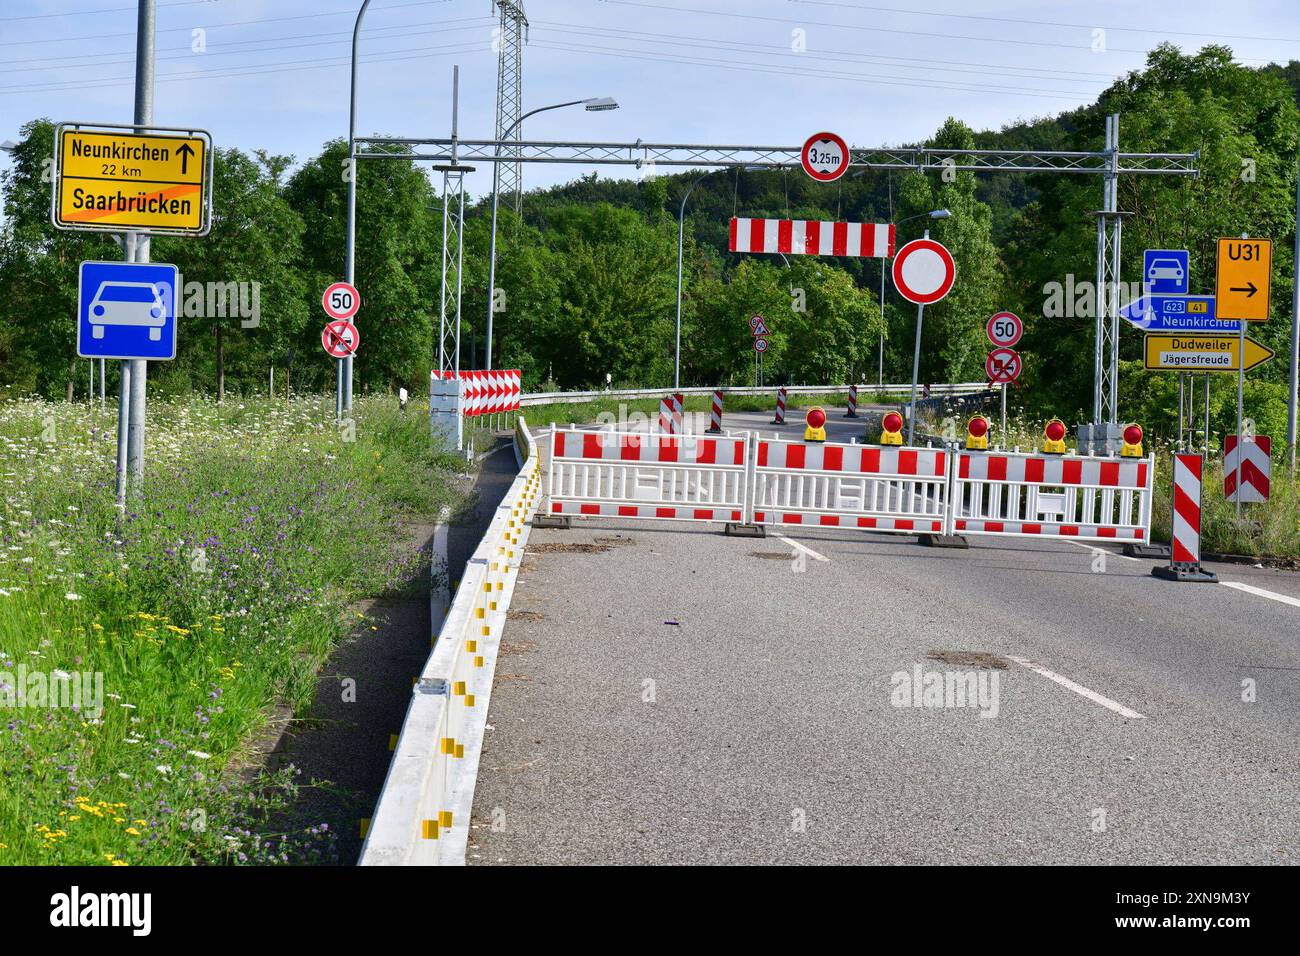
816	430
891	429
1132	447
1055	434
977	433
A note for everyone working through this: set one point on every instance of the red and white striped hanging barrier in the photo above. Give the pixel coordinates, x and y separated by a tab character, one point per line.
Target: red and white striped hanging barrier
808	237
715	415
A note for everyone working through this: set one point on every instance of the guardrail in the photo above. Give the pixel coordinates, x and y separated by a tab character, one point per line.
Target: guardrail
423	813
550	398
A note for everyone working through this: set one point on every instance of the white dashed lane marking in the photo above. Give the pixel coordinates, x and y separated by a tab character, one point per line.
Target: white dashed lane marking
1260	592
1092	695
805	549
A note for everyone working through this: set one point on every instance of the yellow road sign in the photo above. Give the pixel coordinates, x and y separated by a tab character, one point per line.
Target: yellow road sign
1203	353
114	179
1243	282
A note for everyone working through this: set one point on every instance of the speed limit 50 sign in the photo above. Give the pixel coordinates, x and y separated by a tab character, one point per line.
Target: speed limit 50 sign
1004	329
341	301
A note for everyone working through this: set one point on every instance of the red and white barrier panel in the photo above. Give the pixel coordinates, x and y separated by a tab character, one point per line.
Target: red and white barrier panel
490	392
1053	496
715	415
800	237
851	486
1247	468
666	416
638	475
853	402
677	413
781	398
1187	509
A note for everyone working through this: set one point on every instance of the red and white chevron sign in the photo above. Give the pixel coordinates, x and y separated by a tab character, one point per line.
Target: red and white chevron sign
490	392
1187	509
1247	468
807	237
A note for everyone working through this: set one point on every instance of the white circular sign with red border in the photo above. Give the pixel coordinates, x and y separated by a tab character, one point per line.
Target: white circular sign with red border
340	339
760	344
924	271
1003	366
341	301
1005	329
825	157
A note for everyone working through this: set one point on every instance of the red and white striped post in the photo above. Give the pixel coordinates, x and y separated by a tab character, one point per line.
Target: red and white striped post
677	414
666	416
780	407
1185	559
853	402
715	416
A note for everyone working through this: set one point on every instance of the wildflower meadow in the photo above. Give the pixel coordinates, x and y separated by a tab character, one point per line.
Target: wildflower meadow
141	652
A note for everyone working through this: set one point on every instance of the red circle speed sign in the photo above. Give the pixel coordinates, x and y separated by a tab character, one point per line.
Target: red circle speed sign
1003	366
341	301
1004	329
825	157
340	339
924	271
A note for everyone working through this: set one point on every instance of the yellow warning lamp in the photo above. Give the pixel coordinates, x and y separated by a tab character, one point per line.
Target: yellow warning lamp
977	434
816	430
891	429
1054	437
1132	447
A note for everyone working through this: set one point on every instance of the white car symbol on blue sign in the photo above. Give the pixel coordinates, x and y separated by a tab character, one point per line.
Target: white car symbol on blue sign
1164	271
127	310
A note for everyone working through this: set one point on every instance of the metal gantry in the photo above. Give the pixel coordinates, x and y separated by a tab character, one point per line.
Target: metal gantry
512	33
1109	163
453	233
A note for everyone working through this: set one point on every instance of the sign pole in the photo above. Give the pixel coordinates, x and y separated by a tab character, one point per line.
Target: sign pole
916	370
1241	395
123	401
137	245
1005	443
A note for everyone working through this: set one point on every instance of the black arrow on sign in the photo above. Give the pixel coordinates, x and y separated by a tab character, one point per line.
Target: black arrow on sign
185	152
1249	288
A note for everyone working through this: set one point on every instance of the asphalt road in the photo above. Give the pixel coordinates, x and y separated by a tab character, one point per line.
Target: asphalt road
686	697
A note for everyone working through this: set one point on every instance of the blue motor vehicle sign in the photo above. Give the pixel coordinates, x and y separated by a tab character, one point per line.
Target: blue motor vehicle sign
1164	271
127	310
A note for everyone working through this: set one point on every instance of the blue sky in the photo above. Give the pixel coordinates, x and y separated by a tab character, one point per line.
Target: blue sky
274	73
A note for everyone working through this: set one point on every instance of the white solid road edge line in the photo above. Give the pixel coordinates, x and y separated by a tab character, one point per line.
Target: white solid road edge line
1271	595
806	550
1092	695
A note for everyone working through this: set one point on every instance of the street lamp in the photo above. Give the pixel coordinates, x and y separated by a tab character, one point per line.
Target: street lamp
920	310
8	146
594	104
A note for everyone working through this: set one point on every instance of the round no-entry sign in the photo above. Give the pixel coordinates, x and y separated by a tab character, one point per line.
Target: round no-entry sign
341	301
1003	366
340	339
924	271
1005	329
825	157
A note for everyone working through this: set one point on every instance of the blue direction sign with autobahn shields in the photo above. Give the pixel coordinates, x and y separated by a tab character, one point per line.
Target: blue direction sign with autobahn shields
1164	271
127	310
1177	313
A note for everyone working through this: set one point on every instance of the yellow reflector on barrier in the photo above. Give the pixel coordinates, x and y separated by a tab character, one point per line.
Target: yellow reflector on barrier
365	827
445	818
469	700
471	646
458	688
429	829
478	661
448	745
392	741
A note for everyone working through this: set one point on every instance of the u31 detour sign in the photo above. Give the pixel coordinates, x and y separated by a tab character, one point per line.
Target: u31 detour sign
118	179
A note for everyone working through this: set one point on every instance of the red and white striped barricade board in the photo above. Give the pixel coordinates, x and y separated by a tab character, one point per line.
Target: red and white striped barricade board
491	392
808	237
621	474
835	485
1247	468
1052	496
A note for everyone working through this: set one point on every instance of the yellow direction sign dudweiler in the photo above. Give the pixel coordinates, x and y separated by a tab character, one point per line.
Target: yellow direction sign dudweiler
1203	353
116	179
1243	281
